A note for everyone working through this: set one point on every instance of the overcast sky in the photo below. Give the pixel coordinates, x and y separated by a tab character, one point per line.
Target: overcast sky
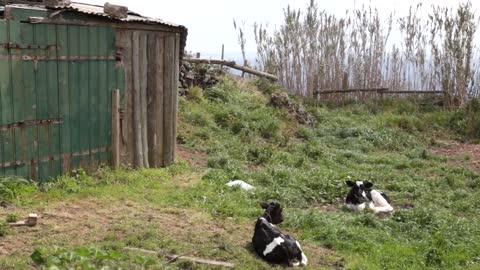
210	22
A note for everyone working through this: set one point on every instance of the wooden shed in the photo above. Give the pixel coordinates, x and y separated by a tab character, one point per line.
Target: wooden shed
81	87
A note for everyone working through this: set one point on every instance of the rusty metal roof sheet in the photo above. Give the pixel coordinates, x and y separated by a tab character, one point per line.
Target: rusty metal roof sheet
98	11
132	16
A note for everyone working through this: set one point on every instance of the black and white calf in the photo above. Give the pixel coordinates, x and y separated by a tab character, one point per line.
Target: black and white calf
271	244
362	195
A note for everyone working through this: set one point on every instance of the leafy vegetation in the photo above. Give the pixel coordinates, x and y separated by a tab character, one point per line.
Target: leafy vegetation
86	258
12	217
230	132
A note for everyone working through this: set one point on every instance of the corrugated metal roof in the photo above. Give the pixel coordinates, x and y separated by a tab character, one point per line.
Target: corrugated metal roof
132	17
98	11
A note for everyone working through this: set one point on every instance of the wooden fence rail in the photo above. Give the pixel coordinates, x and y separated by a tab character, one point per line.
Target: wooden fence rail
232	64
381	90
350	90
342	95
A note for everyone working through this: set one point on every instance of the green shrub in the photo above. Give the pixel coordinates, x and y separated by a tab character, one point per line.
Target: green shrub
304	133
88	258
260	154
222	118
466	121
4	228
218	162
268	128
73	183
238	126
12	186
217	93
12	218
195	94
473	119
198	118
266	86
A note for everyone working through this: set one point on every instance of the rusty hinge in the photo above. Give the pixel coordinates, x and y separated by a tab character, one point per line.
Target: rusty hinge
36	122
12	45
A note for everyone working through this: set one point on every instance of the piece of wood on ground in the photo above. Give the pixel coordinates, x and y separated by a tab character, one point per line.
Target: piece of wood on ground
174	257
31	221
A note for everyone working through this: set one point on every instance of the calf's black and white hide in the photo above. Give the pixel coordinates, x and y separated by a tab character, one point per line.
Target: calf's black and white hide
271	244
361	195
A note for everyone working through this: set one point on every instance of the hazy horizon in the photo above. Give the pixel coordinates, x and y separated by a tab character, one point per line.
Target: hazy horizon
210	22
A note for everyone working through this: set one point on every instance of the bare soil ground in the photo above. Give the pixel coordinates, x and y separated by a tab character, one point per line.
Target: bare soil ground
460	154
193	158
91	221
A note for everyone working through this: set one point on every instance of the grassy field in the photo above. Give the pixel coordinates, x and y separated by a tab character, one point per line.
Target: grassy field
230	132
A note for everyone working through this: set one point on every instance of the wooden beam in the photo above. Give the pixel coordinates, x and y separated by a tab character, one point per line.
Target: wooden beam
115	128
143	96
175	94
232	64
416	92
168	106
352	90
174	257
123	40
155	100
137	123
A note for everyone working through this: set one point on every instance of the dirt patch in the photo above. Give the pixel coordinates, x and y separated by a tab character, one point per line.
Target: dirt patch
194	158
94	221
460	154
328	207
73	223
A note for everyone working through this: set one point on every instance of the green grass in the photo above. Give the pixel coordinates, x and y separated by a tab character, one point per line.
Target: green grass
436	224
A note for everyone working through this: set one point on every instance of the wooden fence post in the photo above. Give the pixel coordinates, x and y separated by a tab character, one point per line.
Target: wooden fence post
223	54
245	63
115	128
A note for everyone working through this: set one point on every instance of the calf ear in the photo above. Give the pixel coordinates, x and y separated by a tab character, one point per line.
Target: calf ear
367	184
350	183
264	205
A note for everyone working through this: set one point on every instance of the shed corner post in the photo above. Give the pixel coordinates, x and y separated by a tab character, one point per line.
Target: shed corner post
115	128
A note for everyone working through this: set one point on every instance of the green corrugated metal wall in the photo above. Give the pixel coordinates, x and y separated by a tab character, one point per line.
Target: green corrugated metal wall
55	96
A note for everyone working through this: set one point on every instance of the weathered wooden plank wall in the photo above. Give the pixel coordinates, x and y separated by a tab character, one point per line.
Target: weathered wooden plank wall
151	66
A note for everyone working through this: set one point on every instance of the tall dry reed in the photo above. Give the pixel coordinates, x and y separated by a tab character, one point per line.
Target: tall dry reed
313	51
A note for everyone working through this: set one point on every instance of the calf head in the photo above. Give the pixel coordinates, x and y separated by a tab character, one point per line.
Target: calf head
359	192
273	212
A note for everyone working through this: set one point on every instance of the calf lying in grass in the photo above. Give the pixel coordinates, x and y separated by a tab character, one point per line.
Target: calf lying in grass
272	245
361	195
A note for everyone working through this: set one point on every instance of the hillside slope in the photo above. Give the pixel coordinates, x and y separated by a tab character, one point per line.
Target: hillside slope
230	131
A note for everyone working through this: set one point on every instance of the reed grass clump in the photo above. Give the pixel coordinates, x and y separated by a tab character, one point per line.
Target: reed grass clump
313	50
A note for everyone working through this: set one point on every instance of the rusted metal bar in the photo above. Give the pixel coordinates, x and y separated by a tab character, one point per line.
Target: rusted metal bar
26	123
19	163
55	58
67	58
11	45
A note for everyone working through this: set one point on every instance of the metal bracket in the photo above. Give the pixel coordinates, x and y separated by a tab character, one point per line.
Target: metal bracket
26	123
